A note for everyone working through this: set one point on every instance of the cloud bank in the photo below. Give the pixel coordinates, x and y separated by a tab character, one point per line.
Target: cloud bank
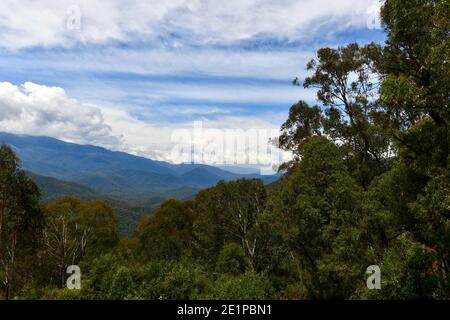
47	23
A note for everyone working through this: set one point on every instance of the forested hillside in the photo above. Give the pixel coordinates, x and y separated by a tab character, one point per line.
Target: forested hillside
369	185
130	209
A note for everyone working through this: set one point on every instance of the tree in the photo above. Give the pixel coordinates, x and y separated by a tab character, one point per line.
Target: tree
231	260
20	217
394	141
75	229
414	61
167	234
415	95
313	222
349	114
230	212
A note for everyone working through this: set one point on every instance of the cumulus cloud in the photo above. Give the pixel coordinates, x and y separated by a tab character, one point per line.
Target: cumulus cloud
42	110
29	23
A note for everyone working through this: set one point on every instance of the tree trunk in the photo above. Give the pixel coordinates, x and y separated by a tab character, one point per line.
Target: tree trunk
6	284
9	279
2	214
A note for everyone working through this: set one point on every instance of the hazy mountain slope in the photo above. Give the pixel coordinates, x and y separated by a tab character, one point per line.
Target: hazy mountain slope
129	212
109	172
60	159
207	176
52	188
129	181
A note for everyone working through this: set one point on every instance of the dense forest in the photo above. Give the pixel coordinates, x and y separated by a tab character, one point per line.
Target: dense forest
369	184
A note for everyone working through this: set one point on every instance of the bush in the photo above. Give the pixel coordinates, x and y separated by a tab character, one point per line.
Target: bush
248	286
231	260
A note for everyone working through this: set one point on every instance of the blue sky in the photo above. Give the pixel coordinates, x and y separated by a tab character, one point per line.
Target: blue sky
125	74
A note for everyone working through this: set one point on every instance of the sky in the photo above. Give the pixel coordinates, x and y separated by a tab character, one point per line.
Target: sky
135	76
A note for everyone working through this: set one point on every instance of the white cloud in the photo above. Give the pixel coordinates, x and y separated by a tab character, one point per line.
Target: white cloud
42	110
29	23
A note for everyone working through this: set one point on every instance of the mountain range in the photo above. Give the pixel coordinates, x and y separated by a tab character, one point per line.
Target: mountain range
131	183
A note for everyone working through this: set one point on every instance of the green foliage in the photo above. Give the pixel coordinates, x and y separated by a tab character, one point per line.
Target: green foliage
231	260
20	221
183	282
229	212
315	221
408	272
75	230
167	234
416	58
151	280
349	114
248	286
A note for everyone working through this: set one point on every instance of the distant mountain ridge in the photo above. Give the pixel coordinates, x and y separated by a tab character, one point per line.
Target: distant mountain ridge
112	172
